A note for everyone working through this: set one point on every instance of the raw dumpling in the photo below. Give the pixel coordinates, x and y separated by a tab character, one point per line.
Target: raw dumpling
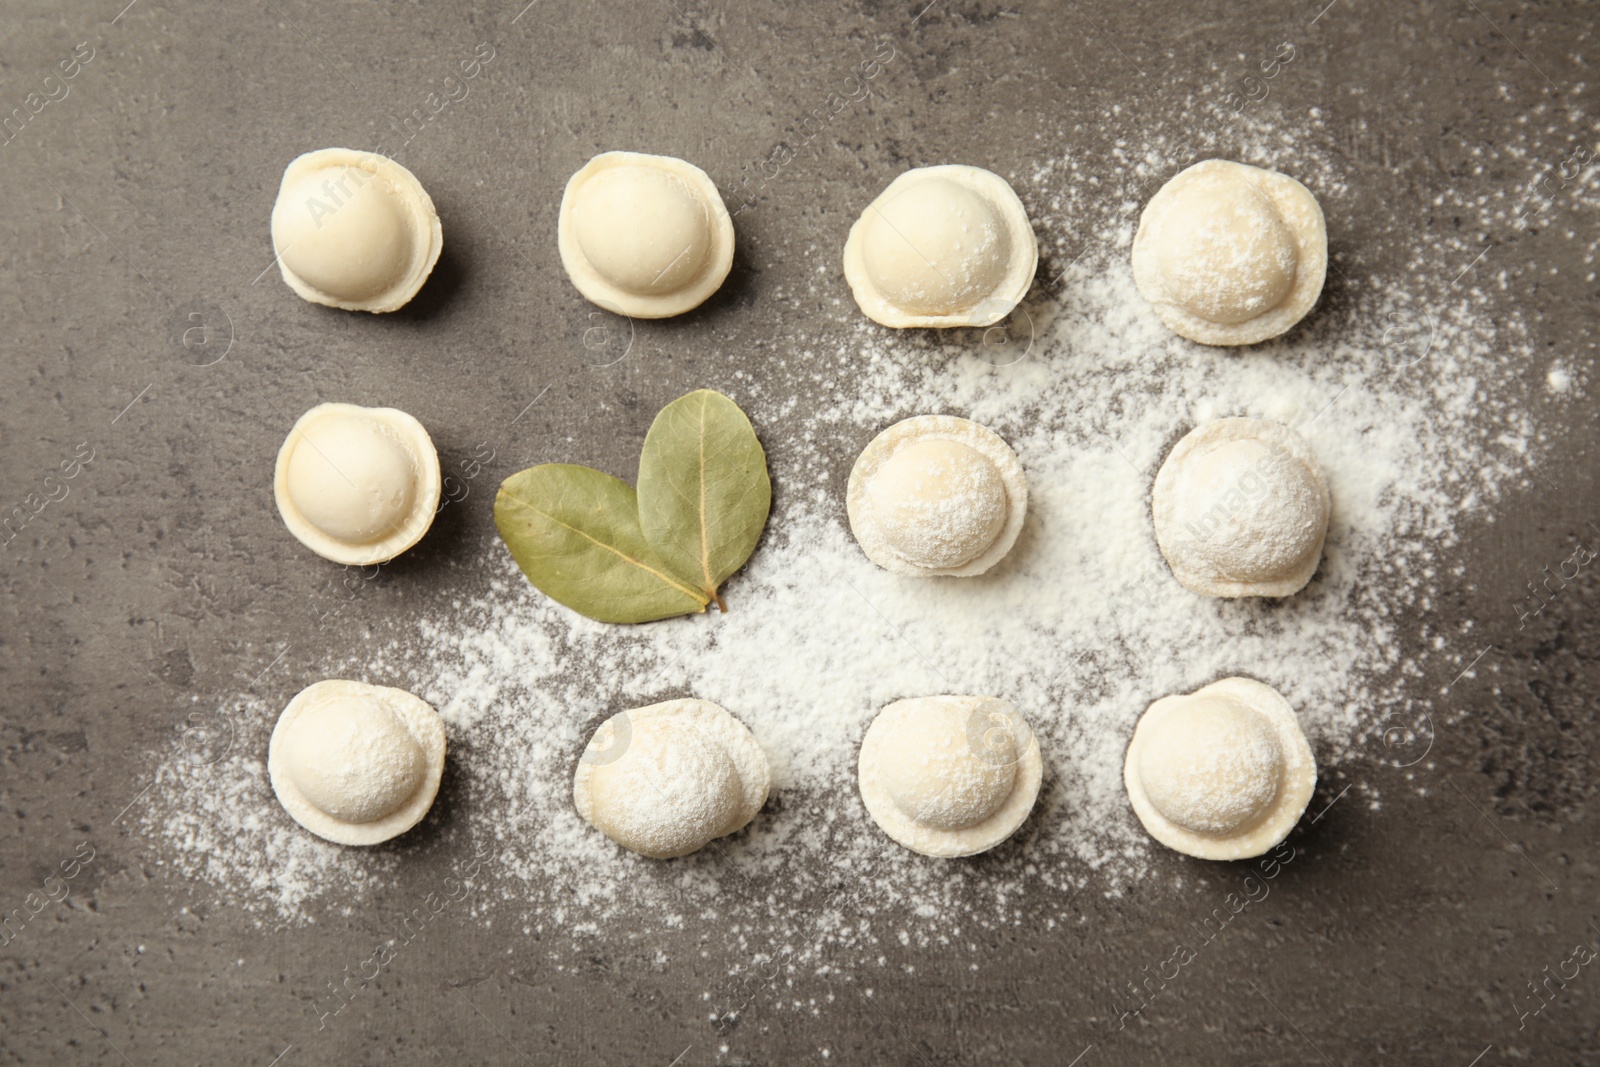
1231	254
355	763
357	485
937	495
950	775
941	246
1241	509
645	236
1222	773
667	779
354	230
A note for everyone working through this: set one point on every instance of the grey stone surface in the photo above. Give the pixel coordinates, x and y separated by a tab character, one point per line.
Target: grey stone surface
136	209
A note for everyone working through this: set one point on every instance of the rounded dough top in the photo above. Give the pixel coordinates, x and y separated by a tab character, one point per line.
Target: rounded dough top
357	485
643	235
949	775
937	495
1212	767
641	228
355	763
936	245
1221	773
1231	254
938	502
354	230
941	246
354	759
665	780
1240	508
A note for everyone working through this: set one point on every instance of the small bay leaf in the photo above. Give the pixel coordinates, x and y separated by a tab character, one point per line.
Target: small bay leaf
704	492
575	533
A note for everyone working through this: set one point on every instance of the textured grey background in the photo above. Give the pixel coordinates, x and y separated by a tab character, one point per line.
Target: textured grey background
141	200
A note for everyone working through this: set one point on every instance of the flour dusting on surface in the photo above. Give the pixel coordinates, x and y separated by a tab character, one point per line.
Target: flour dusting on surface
1412	398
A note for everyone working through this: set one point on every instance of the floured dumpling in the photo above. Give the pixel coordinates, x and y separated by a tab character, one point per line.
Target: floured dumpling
941	246
1241	509
667	779
356	763
1231	254
937	495
949	775
1222	773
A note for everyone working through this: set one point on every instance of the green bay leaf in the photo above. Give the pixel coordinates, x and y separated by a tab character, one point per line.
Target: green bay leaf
575	533
704	492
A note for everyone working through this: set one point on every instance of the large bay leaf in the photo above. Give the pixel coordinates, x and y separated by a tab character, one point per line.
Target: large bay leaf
704	492
575	534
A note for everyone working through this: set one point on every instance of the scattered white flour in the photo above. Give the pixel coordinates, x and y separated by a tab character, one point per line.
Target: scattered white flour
1410	391
1558	378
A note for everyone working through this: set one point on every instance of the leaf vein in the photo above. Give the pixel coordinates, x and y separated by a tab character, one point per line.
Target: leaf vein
610	548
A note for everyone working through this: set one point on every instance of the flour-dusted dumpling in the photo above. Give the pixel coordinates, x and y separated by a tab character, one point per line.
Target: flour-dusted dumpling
937	495
355	763
354	230
1222	773
645	236
950	775
357	485
941	246
1231	254
667	779
1241	509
